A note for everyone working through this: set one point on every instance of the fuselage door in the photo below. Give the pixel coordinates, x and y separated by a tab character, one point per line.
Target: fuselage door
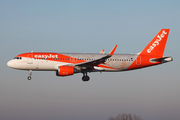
138	60
30	59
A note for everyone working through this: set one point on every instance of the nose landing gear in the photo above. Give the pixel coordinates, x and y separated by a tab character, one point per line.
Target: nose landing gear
30	73
29	77
85	77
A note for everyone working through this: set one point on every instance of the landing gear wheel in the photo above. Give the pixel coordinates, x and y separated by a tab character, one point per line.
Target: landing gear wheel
29	77
85	78
30	73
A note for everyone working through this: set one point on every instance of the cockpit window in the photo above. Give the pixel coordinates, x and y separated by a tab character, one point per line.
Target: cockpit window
18	58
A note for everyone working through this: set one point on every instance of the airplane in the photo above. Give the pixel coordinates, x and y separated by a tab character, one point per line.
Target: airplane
66	64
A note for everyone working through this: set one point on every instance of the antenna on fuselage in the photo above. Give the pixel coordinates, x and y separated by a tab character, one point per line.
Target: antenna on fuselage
32	51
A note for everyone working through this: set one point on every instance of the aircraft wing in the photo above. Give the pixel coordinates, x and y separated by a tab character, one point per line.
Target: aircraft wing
93	62
96	62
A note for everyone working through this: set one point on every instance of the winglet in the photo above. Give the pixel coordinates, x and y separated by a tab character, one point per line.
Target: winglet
113	50
102	52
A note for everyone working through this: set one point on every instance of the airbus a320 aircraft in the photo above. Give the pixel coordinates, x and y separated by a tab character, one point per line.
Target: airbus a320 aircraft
66	64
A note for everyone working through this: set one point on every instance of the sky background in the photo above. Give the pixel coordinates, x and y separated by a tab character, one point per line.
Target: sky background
88	26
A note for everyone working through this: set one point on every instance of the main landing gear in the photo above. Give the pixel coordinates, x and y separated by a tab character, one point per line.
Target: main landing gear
85	77
30	73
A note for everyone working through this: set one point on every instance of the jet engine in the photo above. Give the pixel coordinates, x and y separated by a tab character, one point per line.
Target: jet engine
65	71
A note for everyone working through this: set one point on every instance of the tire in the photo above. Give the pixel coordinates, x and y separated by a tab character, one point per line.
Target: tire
87	78
84	78
29	77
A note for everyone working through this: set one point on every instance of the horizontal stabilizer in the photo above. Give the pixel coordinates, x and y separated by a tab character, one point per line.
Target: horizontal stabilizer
162	60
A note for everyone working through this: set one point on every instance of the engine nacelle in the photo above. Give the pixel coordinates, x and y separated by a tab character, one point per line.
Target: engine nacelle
65	71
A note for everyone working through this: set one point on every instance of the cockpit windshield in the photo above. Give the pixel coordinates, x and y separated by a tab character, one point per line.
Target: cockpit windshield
18	58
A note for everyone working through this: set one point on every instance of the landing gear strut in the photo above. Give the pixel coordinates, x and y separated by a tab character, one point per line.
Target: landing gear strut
85	77
30	73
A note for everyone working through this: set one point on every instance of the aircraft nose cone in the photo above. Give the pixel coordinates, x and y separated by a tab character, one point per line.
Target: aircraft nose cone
10	64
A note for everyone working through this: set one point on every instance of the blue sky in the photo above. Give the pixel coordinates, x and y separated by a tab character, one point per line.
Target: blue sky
88	27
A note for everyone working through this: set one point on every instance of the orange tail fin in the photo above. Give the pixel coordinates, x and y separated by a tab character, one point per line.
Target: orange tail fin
157	45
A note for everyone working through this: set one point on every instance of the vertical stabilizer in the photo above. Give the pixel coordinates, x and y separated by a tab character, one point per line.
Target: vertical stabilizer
157	45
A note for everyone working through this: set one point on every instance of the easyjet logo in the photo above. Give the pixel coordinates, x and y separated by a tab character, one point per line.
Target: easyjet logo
157	41
46	56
